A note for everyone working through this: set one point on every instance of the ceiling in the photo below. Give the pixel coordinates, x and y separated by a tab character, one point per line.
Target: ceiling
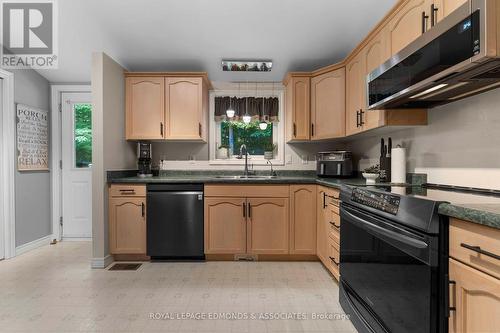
194	35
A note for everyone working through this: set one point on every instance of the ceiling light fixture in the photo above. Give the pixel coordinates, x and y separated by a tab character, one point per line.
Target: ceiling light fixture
230	111
246	118
247	65
263	123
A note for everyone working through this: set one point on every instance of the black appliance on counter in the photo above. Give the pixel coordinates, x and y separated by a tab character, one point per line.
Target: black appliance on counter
175	222
393	260
144	156
334	164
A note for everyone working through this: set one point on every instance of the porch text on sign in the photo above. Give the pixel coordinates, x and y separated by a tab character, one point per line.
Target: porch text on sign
32	138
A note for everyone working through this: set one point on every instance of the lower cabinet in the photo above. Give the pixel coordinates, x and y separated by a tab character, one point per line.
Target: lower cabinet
127	225
328	229
253	225
225	225
476	299
303	219
267	225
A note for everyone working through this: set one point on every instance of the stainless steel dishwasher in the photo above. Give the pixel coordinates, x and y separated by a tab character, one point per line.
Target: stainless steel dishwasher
175	222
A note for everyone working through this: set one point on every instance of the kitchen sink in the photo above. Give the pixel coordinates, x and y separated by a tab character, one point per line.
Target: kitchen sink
246	177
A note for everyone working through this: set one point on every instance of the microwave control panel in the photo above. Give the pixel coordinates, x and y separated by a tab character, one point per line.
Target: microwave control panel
384	202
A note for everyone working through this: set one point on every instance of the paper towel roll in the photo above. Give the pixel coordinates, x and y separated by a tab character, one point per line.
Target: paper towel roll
398	165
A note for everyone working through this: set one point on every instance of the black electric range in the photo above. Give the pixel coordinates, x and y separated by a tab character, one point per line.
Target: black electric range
393	259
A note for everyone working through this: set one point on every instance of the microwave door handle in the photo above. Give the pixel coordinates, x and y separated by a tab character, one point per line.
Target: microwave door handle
385	232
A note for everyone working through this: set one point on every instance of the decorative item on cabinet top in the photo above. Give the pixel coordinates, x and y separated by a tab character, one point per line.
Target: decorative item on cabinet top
166	106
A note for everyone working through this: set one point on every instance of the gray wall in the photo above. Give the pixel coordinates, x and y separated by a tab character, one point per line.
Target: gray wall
33	199
463	134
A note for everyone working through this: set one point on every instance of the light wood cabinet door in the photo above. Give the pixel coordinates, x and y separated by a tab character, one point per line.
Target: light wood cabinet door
184	108
225	225
303	219
409	23
375	53
144	105
446	7
321	232
267	224
297	108
328	105
355	88
476	297
127	227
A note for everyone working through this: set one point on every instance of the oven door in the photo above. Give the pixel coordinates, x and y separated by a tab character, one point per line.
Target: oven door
388	273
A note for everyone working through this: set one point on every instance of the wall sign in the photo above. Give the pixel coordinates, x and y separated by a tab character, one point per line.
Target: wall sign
32	139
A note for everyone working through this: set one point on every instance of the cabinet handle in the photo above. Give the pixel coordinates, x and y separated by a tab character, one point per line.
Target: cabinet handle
312	129
434	10
244	209
357	118
324	200
451	308
333	260
424	22
199	129
127	191
336	226
161	129
249	210
294	130
480	251
361	122
143	209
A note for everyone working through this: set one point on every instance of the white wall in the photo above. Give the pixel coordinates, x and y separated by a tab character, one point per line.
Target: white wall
460	145
110	151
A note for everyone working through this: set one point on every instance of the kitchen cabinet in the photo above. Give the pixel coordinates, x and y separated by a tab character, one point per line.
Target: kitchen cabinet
444	8
328	105
267	225
166	106
476	299
411	20
355	94
303	219
297	107
248	219
127	220
186	103
328	229
144	110
321	239
225	225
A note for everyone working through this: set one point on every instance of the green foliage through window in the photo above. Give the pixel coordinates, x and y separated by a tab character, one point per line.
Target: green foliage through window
234	134
83	135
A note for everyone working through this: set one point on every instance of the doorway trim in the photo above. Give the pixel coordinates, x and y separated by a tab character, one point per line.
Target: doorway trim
56	92
7	170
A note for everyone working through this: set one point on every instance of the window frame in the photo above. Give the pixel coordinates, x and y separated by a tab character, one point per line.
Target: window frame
278	127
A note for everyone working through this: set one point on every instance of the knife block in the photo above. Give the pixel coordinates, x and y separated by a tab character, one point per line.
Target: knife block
385	169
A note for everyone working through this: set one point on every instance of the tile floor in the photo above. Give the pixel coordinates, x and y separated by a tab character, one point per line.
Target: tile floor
53	289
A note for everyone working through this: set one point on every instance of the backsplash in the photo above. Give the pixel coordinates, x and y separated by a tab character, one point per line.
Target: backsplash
460	146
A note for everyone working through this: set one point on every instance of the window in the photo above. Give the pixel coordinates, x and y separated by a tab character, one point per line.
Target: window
83	135
234	134
226	137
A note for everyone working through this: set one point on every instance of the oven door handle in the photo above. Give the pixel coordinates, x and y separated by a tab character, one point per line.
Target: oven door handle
385	232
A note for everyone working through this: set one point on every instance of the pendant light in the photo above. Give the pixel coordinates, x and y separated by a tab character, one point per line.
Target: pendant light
246	118
263	124
230	111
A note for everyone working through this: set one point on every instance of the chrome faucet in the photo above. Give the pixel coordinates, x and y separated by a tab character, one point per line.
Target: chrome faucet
273	173
243	147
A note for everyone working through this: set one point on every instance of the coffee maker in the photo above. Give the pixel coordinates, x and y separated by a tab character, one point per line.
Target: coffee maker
144	159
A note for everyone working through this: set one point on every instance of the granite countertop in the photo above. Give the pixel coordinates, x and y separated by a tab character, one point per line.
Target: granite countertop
473	208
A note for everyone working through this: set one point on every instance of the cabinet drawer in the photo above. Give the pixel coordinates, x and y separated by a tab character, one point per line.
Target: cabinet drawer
255	191
127	190
333	227
468	240
334	259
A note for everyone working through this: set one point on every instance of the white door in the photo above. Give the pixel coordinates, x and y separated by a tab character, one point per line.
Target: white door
76	152
2	220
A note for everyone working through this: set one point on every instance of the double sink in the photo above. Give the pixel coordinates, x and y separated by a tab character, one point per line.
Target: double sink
246	177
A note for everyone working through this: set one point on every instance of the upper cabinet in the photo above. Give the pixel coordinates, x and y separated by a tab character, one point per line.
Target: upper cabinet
144	107
166	106
186	102
297	107
444	8
355	87
328	105
410	21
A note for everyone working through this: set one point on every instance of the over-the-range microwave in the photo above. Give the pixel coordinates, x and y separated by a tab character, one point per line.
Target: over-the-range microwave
457	58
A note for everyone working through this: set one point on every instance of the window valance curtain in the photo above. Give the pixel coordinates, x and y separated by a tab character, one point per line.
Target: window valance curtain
251	105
